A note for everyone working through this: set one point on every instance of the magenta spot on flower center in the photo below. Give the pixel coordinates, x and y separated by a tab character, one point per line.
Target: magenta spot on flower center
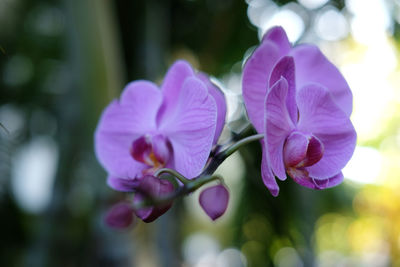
153	151
300	151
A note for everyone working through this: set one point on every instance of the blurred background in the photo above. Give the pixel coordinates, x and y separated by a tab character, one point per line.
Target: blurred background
63	61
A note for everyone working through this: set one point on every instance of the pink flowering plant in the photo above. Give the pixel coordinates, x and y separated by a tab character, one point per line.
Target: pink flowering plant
161	142
301	103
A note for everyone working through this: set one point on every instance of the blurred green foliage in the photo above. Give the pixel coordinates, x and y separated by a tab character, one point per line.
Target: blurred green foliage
61	62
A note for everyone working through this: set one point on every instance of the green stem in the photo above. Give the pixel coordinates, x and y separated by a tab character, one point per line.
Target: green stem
187	188
174	173
230	150
221	156
205	177
244	132
199	182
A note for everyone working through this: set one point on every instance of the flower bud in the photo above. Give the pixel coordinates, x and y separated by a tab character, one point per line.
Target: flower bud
214	201
152	187
120	215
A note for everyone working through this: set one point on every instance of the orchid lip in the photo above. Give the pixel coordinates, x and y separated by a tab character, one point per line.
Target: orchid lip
152	150
302	150
153	187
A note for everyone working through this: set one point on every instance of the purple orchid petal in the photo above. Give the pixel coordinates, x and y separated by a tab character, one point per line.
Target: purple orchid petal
295	149
191	129
285	68
120	215
161	148
256	75
214	201
219	98
317	184
122	184
113	149
171	86
320	116
278	126
123	122
326	138
266	173
141	100
335	180
114	154
320	184
152	187
278	36
301	176
313	67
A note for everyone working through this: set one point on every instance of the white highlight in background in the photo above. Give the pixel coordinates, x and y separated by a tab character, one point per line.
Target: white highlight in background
331	25
33	171
199	247
311	4
288	19
365	166
370	20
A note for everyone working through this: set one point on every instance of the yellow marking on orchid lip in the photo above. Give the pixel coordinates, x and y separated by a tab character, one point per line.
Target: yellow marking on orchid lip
147	160
152	160
155	161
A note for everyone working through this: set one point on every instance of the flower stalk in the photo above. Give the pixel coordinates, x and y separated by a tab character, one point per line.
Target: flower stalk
174	173
191	185
230	150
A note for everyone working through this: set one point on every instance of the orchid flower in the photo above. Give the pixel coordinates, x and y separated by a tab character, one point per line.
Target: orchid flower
301	103
297	100
150	128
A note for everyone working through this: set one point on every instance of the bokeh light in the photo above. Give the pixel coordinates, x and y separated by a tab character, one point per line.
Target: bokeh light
33	174
62	62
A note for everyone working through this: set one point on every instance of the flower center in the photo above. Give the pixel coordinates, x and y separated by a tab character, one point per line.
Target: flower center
300	151
154	151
